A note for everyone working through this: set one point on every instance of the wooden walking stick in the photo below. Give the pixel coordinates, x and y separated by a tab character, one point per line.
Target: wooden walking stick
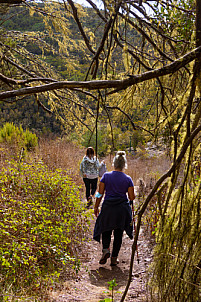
133	222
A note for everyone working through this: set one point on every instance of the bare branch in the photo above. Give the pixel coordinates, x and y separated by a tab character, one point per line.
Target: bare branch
148	38
42	106
102	84
80	26
23	82
132	53
102	43
7	80
135	127
76	103
97	10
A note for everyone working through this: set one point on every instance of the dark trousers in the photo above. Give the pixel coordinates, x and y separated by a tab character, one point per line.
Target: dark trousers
106	239
90	185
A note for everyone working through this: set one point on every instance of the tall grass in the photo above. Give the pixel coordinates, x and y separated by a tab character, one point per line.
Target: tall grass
57	153
143	166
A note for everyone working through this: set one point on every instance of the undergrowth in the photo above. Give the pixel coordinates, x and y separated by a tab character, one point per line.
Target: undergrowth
42	226
17	137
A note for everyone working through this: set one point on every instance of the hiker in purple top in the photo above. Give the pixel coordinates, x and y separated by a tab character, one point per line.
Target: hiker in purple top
115	212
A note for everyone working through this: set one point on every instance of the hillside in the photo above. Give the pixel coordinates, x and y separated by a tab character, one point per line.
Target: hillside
72	65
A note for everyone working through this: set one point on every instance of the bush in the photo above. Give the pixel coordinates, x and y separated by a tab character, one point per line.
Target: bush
42	225
11	134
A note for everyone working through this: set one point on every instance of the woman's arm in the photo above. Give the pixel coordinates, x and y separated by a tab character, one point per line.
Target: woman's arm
98	199
83	169
131	194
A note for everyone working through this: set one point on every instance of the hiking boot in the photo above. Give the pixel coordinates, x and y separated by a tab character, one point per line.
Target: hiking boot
105	256
89	201
114	261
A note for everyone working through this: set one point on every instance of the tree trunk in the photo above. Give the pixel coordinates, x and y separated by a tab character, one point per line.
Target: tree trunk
198	23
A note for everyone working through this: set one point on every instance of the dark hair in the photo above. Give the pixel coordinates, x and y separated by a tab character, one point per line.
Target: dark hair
90	151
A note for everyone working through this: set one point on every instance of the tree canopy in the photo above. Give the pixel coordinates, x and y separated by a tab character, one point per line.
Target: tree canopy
128	44
140	58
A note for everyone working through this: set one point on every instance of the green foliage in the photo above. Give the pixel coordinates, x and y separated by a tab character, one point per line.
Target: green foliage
176	270
11	134
176	21
53	51
103	140
112	285
42	225
27	114
123	139
30	140
23	20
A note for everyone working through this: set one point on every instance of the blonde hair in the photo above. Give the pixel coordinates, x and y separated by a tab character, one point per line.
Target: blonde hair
119	161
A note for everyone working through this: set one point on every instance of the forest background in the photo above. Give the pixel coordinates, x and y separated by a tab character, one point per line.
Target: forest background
115	78
29	114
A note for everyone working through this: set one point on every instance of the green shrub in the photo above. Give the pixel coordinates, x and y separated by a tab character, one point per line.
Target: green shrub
42	225
11	134
30	140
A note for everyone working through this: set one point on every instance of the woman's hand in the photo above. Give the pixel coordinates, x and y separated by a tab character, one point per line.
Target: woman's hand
96	211
98	199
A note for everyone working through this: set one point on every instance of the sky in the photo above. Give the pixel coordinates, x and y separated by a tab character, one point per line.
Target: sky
85	3
100	5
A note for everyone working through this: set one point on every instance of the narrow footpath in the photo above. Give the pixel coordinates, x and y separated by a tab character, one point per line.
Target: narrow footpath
91	284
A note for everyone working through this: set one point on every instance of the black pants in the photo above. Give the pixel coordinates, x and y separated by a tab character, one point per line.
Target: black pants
106	239
91	186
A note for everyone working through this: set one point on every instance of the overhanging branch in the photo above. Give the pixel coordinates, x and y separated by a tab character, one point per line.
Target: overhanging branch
103	84
11	1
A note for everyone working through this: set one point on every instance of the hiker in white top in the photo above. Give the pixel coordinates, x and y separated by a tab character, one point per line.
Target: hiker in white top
89	169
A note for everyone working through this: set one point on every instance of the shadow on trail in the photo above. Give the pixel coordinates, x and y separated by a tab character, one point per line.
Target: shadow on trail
102	275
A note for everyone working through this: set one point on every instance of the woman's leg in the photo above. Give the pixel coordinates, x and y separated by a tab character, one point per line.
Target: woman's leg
106	239
118	234
87	186
93	185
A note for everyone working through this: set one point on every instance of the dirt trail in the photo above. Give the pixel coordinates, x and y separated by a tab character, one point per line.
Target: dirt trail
91	283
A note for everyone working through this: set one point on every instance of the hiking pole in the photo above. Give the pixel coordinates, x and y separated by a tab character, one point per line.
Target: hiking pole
133	222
